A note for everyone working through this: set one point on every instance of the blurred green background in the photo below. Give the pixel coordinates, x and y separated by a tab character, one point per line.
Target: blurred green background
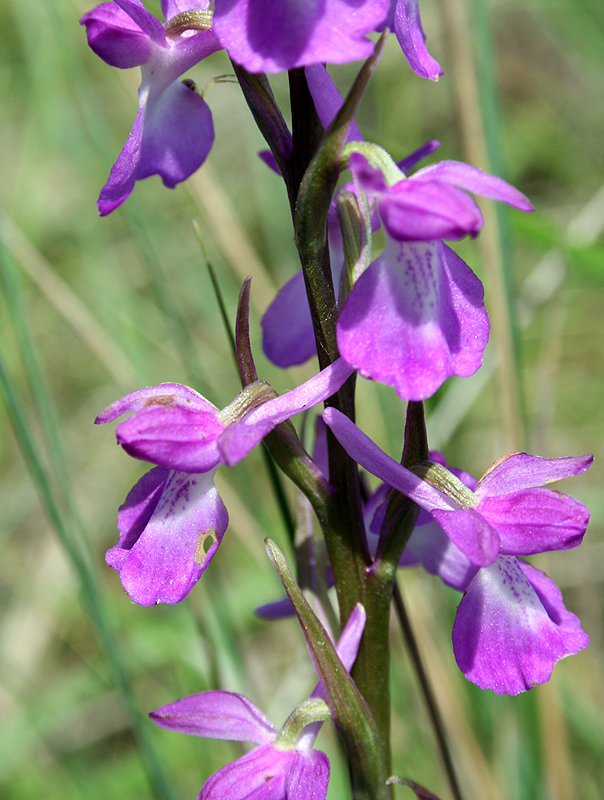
92	308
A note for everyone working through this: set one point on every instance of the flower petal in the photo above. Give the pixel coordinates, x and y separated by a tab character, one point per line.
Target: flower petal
407	164
287	333
164	394
240	438
474	180
410	35
177	544
216	715
369	456
264	36
414	210
173	437
258	775
327	99
308	776
512	628
178	135
522	471
431	546
141	502
115	37
414	318
146	21
471	533
122	177
535	521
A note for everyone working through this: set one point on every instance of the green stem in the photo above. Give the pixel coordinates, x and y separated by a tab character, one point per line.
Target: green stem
430	699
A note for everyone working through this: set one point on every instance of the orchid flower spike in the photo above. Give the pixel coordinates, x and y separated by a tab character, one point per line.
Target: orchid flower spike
511	626
173	131
283	766
173	520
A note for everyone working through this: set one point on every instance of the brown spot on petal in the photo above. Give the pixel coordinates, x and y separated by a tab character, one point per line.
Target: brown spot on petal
161	400
204	541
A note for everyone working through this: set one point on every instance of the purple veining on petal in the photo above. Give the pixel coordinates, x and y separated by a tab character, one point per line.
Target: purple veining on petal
176	545
504	638
414	318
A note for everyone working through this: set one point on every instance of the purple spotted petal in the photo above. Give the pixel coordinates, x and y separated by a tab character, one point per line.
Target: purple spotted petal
216	715
471	533
164	394
474	180
265	36
410	35
522	471
535	521
512	628
172	436
177	543
142	500
115	37
287	333
431	546
414	318
178	135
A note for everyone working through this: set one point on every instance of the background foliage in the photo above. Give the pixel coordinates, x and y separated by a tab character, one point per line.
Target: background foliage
93	308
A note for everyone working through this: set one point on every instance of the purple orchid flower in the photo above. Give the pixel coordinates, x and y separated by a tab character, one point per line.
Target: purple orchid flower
283	765
265	36
173	131
416	316
511	626
173	520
